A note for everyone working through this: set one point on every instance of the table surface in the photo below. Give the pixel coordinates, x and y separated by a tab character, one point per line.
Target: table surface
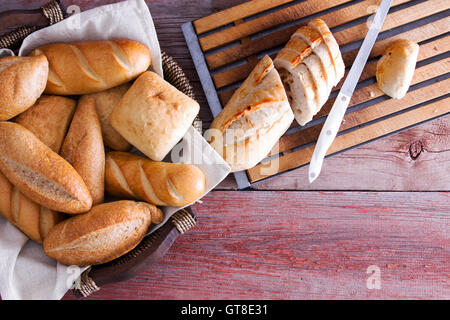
378	211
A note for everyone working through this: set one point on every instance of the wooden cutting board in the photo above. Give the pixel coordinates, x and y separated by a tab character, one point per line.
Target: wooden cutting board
226	46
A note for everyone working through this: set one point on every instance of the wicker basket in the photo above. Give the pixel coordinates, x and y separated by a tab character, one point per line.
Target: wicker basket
154	246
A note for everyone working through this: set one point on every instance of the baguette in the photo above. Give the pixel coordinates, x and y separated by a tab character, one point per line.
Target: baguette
83	148
22	80
39	173
153	115
32	219
107	231
91	66
253	120
159	183
105	102
49	119
395	69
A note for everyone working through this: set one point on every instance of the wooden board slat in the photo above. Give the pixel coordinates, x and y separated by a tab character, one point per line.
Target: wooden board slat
241	11
333	19
245	29
353	138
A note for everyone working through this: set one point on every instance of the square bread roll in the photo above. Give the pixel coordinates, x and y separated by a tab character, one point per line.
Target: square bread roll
153	115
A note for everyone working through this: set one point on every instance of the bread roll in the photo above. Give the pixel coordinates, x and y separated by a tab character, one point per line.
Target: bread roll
39	173
22	81
160	183
253	120
49	119
32	219
105	102
92	66
310	65
395	69
106	232
83	148
153	115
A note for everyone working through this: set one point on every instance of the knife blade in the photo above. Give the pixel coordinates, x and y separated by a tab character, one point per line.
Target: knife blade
334	119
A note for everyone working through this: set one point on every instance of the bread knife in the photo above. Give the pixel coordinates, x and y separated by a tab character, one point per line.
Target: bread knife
334	119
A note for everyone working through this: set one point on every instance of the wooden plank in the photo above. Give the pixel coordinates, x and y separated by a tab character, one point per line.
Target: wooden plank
304	245
412	160
289	14
353	138
419	34
333	19
230	15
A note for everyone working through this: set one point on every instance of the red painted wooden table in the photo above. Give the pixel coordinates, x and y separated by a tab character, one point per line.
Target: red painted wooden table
376	224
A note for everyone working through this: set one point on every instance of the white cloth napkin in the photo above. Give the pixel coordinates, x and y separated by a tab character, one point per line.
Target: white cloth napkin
25	271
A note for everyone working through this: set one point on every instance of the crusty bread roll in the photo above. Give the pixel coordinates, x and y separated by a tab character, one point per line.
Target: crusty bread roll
22	81
153	115
105	102
39	173
253	120
395	69
83	148
310	65
107	231
49	119
31	218
160	183
92	66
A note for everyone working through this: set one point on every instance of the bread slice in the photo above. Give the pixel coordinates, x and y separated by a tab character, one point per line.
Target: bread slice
395	69
315	41
333	47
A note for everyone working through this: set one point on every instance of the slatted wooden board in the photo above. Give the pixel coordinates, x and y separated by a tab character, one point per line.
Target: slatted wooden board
226	46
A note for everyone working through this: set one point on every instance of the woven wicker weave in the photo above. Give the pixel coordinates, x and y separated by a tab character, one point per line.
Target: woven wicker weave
156	244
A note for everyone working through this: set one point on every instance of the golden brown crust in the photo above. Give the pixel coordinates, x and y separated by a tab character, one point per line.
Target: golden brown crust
105	102
39	173
92	66
106	232
253	120
159	183
83	148
153	115
32	219
22	80
395	69
49	119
